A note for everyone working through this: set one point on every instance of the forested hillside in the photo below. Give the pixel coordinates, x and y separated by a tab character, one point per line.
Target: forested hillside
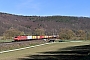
50	24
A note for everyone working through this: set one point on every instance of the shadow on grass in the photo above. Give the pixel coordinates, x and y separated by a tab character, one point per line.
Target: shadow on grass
69	53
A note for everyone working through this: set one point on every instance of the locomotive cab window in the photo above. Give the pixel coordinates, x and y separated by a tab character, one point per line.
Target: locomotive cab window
15	37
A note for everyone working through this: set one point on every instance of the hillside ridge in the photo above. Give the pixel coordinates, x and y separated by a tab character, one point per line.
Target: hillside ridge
50	24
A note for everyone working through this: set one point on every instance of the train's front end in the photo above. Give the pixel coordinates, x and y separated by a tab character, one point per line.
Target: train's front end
20	38
16	38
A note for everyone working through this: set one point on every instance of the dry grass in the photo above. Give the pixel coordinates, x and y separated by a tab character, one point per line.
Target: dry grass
35	51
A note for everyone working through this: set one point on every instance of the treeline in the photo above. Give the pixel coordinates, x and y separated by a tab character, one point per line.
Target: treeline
64	34
68	34
64	19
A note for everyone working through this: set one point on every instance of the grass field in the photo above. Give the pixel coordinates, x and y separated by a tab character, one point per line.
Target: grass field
59	50
6	41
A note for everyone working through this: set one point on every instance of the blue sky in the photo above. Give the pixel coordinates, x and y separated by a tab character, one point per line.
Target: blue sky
46	7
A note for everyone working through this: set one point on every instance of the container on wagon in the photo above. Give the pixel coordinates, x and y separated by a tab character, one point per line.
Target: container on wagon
41	37
37	37
33	37
29	37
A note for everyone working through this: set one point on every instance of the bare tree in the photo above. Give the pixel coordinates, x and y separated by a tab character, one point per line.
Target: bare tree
9	34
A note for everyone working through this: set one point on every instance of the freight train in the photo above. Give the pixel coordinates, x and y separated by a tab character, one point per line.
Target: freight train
24	38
